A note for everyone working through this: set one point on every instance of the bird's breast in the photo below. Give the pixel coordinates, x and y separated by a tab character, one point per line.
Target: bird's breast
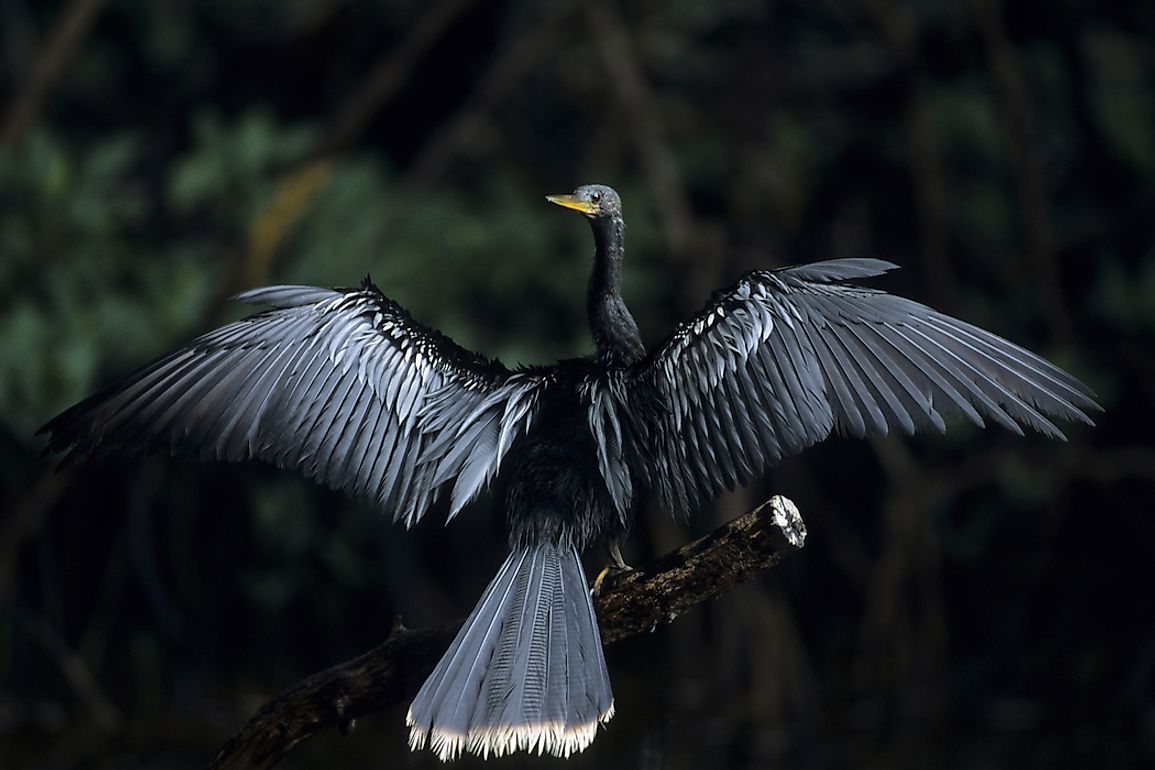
556	490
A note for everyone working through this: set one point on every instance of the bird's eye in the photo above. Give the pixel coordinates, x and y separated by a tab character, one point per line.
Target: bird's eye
596	197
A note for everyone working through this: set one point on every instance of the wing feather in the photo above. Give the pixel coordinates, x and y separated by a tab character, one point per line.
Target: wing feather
341	384
786	357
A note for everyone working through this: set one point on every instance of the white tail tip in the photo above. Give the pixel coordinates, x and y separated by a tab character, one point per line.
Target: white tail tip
496	740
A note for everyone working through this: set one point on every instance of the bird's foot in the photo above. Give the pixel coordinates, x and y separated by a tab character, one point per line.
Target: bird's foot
617	566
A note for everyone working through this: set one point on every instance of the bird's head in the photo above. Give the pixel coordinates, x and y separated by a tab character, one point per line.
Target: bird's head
596	201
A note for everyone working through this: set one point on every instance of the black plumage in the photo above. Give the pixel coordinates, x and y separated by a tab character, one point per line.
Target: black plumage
345	386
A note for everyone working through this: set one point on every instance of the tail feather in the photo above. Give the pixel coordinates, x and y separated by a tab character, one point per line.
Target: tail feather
596	679
526	672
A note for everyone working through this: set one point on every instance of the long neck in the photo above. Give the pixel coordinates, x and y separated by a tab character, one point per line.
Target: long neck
613	328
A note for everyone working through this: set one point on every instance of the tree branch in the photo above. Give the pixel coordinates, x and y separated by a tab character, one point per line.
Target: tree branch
389	75
630	603
1014	105
69	32
642	108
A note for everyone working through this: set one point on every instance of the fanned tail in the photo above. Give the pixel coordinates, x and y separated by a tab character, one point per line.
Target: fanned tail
526	672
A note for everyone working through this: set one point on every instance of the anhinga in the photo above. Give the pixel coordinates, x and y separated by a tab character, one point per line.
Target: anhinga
345	386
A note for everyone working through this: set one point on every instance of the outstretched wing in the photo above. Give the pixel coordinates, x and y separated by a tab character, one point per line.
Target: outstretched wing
341	384
785	357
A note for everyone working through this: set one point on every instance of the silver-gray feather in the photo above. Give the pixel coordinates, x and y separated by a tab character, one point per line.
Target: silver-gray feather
343	385
526	671
601	397
786	357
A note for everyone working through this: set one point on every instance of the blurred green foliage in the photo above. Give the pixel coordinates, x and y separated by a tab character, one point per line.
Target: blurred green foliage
77	216
231	170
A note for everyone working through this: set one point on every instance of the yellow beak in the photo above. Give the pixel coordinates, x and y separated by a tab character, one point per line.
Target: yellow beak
570	202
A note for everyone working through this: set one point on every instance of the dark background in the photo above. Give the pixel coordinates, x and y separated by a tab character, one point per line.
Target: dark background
972	600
